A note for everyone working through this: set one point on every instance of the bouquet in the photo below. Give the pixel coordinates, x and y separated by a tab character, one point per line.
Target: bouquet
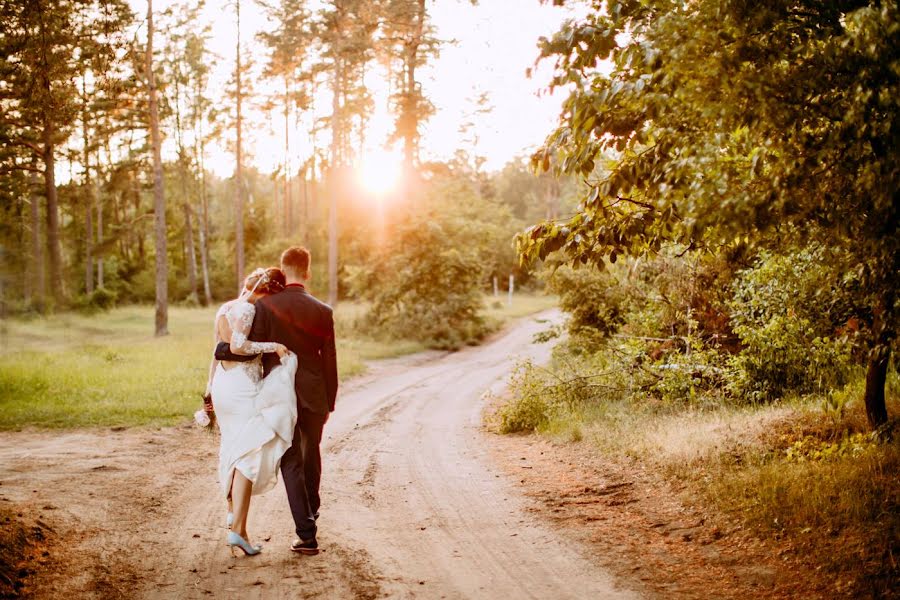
205	418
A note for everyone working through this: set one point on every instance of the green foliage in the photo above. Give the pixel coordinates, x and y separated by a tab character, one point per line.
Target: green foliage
594	300
785	355
811	448
425	285
787	315
530	409
715	127
99	300
426	281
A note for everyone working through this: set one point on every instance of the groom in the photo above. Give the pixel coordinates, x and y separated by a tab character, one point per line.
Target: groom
306	326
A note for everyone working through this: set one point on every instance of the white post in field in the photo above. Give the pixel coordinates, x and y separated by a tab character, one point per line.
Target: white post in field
496	287
511	286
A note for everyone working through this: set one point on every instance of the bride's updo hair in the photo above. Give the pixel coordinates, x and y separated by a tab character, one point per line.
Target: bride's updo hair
267	281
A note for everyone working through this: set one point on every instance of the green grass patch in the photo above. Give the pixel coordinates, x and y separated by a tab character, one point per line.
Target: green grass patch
72	370
107	369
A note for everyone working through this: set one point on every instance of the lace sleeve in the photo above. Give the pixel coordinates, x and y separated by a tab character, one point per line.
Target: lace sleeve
240	317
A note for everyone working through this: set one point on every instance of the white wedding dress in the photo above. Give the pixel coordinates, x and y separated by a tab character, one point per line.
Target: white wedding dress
256	415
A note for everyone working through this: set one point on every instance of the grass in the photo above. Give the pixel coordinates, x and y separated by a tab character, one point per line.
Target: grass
791	472
75	370
522	306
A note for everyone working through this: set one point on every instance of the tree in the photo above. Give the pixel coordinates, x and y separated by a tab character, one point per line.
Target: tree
102	47
186	73
197	71
408	42
45	50
732	120
345	31
238	156
159	200
289	45
39	97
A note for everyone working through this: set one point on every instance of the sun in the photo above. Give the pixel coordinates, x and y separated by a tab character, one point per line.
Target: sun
379	171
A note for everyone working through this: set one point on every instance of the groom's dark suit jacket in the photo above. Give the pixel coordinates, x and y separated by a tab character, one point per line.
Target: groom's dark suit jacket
305	325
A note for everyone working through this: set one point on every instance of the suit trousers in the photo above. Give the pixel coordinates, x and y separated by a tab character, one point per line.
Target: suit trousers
301	469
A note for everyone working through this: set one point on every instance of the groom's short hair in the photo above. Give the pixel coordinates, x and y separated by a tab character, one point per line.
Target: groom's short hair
296	258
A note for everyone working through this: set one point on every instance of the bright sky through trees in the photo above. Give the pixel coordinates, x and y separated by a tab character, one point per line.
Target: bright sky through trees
495	42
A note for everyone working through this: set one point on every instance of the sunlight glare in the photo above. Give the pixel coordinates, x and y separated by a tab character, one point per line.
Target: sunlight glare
380	171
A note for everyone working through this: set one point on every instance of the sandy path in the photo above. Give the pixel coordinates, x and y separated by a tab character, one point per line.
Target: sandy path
412	505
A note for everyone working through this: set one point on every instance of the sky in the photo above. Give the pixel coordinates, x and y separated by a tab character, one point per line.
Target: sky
489	48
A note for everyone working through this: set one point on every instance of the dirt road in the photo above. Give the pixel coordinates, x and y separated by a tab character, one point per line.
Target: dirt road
412	505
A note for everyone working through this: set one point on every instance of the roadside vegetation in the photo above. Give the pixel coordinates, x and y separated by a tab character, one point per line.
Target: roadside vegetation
730	275
659	368
75	370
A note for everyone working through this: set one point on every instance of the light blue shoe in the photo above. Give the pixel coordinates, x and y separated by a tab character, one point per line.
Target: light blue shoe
234	540
229	520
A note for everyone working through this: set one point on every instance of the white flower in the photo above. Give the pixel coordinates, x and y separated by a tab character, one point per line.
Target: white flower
201	418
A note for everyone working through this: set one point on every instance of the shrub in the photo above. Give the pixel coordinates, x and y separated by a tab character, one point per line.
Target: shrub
528	412
425	287
786	326
98	300
594	300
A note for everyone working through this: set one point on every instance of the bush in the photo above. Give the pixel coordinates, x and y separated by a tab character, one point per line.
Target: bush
98	300
525	413
425	287
594	300
786	326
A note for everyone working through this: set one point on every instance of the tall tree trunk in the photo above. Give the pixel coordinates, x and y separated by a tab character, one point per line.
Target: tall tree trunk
334	174
159	201
99	228
39	289
89	201
204	224
53	245
204	252
100	243
88	246
238	172
188	227
304	206
288	201
876	374
191	252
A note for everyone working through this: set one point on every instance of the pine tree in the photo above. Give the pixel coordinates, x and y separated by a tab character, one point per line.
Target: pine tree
408	43
159	200
346	31
289	46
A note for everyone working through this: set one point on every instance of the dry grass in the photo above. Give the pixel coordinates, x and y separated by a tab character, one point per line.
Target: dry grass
819	485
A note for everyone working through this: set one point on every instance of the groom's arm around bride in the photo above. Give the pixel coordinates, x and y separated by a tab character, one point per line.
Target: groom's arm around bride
305	325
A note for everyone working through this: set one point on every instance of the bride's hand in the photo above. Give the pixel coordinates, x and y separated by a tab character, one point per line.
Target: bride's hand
281	350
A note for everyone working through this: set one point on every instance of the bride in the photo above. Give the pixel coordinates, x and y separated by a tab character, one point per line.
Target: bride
256	416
